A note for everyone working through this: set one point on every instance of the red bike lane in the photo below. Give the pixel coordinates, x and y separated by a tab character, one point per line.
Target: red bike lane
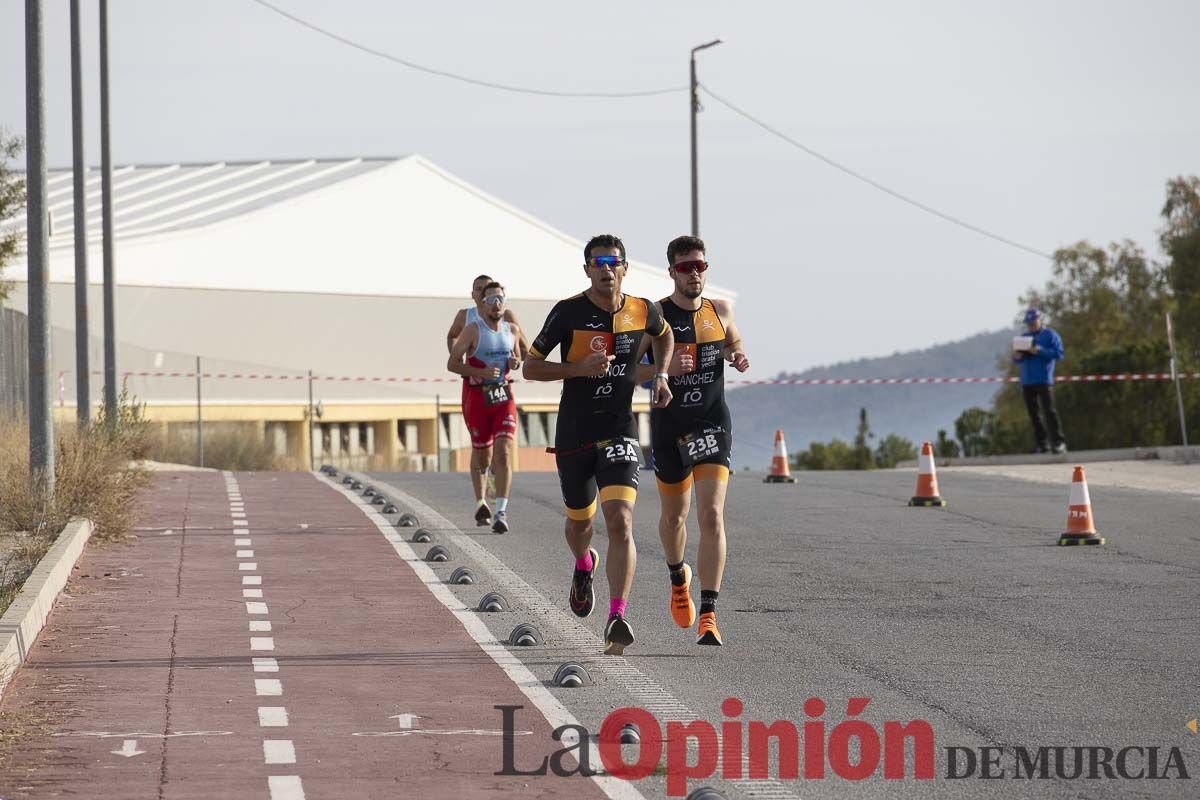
260	638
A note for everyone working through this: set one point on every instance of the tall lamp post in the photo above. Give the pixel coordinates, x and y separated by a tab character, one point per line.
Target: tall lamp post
694	102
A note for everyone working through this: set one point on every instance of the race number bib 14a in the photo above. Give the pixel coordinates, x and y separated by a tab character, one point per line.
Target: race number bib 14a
619	451
495	393
703	445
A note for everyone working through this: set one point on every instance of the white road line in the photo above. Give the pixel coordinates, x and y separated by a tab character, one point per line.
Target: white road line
252	580
265	664
245	554
238	514
240	523
241	542
279	751
285	787
248	566
256	608
251	592
272	717
260	626
533	688
262	643
268	687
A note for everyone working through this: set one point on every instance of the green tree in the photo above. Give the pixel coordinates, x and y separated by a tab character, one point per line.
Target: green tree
971	429
1180	240
12	201
892	450
834	455
862	450
945	447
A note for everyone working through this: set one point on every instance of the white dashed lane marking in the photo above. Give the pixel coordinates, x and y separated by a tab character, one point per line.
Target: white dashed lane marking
279	751
275	751
272	716
285	787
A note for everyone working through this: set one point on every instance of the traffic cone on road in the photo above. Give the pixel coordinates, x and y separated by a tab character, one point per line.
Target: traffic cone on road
780	473
1080	527
927	488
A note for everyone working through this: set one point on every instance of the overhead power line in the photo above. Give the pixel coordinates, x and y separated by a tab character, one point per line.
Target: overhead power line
869	181
530	90
463	78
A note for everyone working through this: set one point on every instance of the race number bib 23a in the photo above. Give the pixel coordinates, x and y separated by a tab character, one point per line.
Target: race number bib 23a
495	394
619	451
702	445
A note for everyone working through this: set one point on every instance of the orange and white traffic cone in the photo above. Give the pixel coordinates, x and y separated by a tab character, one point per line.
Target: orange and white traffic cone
780	472
1080	527
927	488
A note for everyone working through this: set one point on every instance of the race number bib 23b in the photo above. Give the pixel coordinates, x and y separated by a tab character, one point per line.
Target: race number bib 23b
495	394
619	451
703	445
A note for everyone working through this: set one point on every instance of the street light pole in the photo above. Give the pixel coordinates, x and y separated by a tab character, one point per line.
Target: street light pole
83	402
110	325
694	102
41	425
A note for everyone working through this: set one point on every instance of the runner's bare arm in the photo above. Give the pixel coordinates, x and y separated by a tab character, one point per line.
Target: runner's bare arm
733	337
662	347
520	347
645	372
456	327
463	346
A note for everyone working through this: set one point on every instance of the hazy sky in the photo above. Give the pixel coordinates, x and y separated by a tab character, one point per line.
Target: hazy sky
1044	122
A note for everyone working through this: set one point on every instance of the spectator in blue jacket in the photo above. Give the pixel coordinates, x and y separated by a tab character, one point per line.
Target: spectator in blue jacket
1037	381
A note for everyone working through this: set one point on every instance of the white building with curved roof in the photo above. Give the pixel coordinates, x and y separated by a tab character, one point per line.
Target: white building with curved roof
350	268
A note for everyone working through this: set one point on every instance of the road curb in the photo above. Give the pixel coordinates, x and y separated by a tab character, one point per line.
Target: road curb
24	619
1183	455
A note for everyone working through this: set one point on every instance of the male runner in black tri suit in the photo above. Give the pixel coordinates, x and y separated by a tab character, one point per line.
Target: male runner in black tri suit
600	333
692	435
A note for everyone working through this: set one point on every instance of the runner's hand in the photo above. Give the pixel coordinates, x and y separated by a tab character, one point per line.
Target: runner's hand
739	361
514	364
595	365
660	394
489	373
682	363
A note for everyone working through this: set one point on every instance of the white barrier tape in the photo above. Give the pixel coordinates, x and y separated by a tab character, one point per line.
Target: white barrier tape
1125	376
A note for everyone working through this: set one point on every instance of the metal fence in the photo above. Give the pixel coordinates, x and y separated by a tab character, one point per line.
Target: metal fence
14	363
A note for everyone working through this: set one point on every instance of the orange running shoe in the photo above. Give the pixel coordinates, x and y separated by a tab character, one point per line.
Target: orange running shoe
683	610
708	629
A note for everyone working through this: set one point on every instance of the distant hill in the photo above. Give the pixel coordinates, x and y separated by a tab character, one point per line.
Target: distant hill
819	413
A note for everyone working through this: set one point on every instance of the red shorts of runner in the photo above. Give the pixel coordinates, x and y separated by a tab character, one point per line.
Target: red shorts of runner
487	423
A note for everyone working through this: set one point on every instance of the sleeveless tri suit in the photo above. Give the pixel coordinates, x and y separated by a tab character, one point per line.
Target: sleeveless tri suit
693	434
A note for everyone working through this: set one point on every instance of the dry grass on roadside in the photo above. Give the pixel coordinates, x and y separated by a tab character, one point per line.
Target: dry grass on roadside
93	479
17	725
232	446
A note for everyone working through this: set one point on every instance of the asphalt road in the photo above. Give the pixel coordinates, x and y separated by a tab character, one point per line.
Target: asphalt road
968	617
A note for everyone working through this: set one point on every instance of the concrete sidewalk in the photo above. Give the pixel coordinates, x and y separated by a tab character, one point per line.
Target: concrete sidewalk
260	638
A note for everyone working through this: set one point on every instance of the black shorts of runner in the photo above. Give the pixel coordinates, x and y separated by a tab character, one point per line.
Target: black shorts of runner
674	477
582	471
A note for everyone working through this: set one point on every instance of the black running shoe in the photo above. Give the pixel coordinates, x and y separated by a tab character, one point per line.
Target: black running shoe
500	523
483	515
583	596
617	635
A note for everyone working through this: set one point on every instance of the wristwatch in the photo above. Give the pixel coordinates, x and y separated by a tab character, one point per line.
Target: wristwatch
658	375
